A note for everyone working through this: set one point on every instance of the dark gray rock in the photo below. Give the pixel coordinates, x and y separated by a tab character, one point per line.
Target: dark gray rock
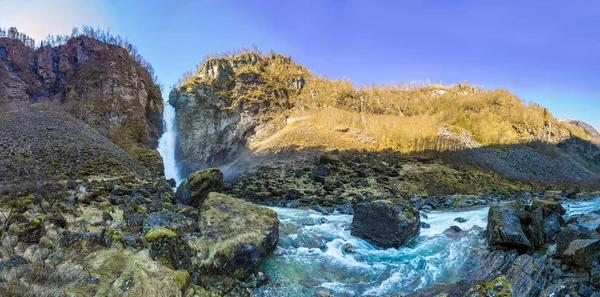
564	238
504	228
194	190
528	276
583	252
347	248
13	261
386	223
460	220
552	225
170	220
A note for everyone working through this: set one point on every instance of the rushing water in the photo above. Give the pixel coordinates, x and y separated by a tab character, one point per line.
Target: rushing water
166	143
586	210
309	257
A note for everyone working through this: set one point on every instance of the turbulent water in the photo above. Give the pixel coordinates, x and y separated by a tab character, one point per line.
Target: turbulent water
587	211
166	143
309	257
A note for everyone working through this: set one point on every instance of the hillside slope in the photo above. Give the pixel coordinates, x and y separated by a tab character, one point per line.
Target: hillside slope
253	104
587	127
94	81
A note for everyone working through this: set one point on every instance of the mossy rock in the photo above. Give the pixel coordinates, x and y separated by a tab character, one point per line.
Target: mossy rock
159	233
196	187
183	279
237	236
168	248
554	206
497	288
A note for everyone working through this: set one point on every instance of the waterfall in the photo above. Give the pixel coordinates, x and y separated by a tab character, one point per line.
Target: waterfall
166	143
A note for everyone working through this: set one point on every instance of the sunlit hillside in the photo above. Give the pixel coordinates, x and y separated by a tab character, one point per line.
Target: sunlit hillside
335	114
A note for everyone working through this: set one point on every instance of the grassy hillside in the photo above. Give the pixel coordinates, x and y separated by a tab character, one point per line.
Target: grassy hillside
400	117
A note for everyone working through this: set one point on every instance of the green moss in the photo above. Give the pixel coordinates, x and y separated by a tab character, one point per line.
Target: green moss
182	279
159	233
105	205
37	221
486	287
14	228
46	242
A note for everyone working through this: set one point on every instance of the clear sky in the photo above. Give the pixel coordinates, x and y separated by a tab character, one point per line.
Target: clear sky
545	51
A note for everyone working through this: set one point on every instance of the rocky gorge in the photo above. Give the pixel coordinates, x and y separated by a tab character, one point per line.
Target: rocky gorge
275	200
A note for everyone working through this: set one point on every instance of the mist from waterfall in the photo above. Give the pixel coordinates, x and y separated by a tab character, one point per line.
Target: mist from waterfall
166	143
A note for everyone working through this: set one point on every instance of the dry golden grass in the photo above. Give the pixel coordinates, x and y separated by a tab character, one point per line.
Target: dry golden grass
400	117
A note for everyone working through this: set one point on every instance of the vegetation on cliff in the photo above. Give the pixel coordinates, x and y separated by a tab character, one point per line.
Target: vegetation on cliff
92	75
246	102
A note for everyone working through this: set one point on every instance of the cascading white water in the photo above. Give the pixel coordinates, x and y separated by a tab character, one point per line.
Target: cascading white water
310	258
166	143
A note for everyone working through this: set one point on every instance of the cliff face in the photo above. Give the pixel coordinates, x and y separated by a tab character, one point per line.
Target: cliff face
230	104
99	83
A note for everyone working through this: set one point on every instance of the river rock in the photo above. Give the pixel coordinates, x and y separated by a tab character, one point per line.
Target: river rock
196	187
551	205
237	235
528	276
565	237
504	228
347	248
583	252
460	220
386	223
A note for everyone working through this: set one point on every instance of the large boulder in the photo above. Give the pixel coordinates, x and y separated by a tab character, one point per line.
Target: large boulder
504	228
169	248
237	235
583	252
548	205
196	187
386	223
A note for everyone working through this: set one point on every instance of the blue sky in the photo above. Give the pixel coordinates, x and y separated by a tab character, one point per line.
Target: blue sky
544	51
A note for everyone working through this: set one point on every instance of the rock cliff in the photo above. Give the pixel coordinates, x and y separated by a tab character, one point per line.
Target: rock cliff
230	104
94	81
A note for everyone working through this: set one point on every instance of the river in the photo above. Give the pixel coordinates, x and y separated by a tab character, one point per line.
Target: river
310	258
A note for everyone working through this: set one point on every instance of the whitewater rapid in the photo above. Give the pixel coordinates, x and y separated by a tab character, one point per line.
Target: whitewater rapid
309	257
166	143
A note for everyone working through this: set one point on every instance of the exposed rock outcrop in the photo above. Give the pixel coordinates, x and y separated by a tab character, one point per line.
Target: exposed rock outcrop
236	236
586	127
386	223
504	227
228	104
99	83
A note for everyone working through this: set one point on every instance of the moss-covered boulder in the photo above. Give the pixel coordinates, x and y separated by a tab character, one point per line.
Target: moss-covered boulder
196	187
504	228
550	205
386	223
167	247
237	235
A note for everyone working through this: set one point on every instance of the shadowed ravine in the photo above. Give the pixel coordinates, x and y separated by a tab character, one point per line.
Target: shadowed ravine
310	256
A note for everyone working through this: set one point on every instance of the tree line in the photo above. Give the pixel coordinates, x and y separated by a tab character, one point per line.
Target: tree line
89	31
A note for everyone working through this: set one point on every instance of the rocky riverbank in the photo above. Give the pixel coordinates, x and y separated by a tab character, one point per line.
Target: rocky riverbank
128	236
